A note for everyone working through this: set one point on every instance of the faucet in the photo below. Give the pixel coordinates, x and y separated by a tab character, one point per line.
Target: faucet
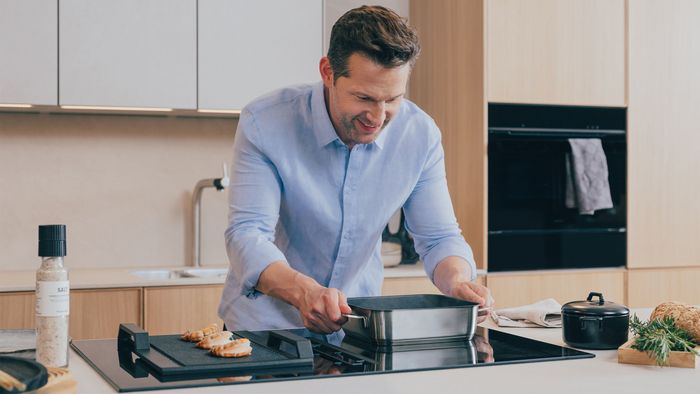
218	183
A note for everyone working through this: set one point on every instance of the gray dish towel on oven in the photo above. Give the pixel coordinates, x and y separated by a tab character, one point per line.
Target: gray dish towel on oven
587	186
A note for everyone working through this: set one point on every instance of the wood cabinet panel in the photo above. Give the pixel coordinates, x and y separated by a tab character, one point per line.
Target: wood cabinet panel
17	310
171	310
525	288
448	83
663	138
557	52
93	313
97	313
398	286
420	285
650	287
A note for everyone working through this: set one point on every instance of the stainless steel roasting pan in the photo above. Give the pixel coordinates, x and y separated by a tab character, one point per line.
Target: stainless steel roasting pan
411	319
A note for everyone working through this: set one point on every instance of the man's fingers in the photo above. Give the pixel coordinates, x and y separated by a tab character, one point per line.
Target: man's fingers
465	292
343	303
317	324
484	293
323	311
330	301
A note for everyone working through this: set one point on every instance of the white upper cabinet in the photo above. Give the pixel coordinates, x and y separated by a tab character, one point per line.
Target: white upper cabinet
128	53
248	48
28	52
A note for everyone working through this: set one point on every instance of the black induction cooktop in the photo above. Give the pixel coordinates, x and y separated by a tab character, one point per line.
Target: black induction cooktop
124	370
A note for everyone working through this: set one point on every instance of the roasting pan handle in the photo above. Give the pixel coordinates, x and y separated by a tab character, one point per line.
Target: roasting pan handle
365	323
134	335
301	344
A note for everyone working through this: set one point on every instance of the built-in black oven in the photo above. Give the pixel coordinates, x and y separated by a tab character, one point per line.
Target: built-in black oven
530	225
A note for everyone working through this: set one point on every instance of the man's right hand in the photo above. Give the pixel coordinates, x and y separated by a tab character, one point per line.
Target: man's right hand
321	308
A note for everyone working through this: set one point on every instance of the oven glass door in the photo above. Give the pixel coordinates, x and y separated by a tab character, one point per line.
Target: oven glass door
530	225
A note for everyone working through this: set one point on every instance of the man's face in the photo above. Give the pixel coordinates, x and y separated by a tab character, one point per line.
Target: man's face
362	104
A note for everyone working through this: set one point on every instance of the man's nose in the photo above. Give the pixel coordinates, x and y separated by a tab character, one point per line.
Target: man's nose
378	113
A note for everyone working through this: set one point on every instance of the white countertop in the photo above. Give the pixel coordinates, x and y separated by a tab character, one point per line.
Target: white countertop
601	374
101	278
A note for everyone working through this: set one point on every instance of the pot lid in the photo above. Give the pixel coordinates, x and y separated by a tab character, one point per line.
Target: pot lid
598	307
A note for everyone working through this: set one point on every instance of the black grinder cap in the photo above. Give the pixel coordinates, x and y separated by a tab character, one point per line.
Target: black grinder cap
52	240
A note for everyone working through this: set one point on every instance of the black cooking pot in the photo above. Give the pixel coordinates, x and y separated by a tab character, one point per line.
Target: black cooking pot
593	324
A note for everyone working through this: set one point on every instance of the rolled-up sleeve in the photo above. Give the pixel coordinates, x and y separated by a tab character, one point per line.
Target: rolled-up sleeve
254	201
430	216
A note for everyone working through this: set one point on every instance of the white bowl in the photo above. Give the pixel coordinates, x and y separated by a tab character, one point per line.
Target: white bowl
391	254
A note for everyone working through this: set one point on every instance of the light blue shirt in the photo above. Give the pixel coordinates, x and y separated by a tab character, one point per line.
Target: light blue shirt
299	195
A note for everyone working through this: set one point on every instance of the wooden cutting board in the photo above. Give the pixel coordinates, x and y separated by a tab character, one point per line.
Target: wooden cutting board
60	382
627	355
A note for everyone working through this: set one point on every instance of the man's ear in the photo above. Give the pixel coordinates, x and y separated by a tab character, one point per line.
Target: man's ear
326	72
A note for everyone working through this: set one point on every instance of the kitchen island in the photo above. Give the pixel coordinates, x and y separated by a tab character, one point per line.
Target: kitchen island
602	374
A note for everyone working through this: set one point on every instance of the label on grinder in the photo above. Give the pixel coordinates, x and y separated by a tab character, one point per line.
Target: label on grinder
52	298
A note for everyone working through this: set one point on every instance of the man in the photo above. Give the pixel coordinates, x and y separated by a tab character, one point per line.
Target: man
318	170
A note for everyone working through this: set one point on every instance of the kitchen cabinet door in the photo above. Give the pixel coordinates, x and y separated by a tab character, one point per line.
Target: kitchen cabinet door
17	310
93	313
128	53
248	48
511	289
556	52
175	309
29	52
97	313
448	83
663	183
650	287
417	285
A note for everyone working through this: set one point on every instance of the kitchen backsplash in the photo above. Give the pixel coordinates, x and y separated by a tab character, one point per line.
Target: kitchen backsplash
121	184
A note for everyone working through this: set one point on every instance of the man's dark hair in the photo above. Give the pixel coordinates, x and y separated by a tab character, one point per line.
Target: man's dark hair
375	32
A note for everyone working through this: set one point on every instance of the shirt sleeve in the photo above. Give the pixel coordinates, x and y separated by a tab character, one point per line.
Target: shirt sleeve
254	203
430	216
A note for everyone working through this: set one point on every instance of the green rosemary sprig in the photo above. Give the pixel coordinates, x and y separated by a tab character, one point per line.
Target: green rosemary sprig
659	337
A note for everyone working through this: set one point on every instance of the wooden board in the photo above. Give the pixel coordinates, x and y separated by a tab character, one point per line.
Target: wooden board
627	355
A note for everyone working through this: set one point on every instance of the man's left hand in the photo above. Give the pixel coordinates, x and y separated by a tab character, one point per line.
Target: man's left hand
474	292
452	275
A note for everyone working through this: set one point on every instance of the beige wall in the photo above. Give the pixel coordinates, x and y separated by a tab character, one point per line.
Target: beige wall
122	185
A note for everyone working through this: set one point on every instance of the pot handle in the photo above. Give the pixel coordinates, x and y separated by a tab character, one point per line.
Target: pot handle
592	294
352	316
485	311
593	320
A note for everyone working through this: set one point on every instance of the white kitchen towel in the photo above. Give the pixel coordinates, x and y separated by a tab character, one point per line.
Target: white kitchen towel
545	313
588	173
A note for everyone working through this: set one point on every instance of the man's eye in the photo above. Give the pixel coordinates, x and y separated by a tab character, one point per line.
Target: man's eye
364	98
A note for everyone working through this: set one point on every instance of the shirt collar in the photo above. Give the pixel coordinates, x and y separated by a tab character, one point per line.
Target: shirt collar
323	127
